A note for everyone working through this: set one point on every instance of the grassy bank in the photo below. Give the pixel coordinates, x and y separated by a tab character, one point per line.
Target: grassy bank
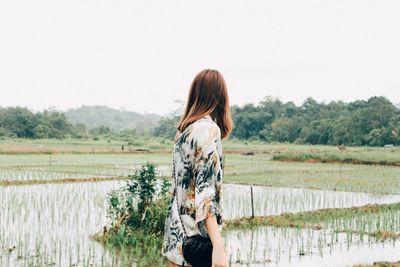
259	170
380	264
334	158
133	247
322	218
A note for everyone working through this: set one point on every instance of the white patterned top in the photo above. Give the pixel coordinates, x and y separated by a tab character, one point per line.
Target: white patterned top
197	173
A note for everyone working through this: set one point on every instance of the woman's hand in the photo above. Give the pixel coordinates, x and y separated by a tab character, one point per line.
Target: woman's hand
219	257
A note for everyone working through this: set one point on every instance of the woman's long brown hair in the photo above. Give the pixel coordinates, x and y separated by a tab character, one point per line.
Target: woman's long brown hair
208	95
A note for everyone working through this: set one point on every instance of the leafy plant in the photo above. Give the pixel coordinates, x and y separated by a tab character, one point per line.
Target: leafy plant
141	205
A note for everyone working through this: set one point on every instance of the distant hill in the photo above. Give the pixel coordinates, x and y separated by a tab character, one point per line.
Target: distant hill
94	116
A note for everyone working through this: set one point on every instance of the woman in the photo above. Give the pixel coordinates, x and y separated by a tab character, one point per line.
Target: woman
196	207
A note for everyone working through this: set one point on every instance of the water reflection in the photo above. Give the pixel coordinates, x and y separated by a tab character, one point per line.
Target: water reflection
268	246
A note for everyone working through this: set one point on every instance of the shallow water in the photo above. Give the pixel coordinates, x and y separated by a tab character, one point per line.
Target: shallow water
51	223
53	219
276	200
28	173
268	246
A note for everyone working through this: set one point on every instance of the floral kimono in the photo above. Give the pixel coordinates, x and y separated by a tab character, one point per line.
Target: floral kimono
197	182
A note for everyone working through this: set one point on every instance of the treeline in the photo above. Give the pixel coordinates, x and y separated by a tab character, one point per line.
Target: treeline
20	122
374	122
23	123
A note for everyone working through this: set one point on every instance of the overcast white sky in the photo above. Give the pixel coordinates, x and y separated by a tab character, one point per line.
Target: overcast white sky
142	55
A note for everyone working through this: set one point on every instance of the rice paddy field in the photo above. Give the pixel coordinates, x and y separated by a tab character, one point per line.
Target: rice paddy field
284	204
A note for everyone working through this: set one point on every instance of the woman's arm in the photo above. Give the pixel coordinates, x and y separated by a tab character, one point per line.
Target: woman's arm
206	160
218	254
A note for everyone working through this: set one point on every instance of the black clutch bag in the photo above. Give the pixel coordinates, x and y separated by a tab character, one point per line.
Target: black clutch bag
197	250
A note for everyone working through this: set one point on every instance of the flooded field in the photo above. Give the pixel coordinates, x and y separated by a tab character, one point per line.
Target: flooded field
58	172
257	169
269	246
277	200
51	224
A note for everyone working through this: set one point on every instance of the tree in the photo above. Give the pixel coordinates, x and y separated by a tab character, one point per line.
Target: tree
41	131
378	137
249	121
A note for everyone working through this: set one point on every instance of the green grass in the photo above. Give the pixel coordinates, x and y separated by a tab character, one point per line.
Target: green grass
231	145
135	247
380	264
323	218
43	160
84	146
391	158
258	169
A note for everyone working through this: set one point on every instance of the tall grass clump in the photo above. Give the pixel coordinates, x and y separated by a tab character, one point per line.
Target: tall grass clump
136	214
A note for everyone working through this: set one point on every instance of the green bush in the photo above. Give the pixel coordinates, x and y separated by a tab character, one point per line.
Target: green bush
139	207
